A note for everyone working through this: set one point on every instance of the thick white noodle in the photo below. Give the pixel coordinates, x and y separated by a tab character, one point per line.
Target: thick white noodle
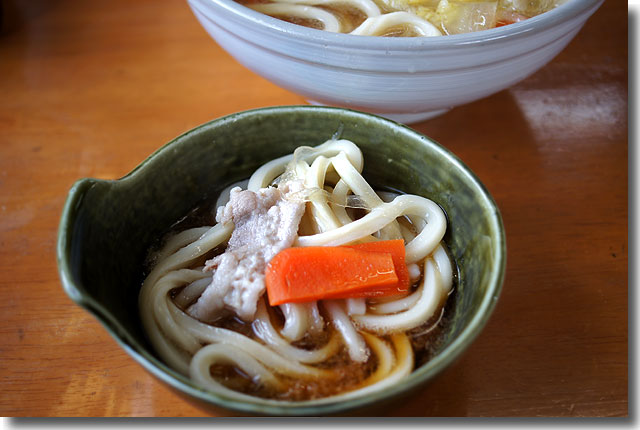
444	268
407	233
162	304
200	372
376	25
414	272
397	305
363	190
296	321
192	291
355	181
263	328
211	334
385	356
274	168
214	236
368	7
301	318
356	306
432	292
161	328
153	300
180	240
339	200
421	246
316	322
324	217
356	345
443	263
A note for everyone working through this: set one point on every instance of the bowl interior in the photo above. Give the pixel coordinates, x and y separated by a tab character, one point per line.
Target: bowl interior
108	226
559	15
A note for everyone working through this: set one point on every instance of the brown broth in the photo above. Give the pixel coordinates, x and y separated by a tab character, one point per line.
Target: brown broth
311	23
399	31
348	16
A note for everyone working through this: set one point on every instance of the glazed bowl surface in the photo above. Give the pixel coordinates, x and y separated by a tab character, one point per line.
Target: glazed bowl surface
108	226
407	79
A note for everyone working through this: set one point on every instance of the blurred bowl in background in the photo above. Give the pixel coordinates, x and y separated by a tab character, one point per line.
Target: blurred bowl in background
408	79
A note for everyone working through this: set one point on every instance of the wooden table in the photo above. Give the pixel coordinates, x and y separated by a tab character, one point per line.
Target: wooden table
89	89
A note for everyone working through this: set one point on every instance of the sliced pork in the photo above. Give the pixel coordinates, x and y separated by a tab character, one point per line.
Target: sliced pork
266	222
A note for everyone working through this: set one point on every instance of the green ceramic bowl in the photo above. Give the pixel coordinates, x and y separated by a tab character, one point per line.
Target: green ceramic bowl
108	226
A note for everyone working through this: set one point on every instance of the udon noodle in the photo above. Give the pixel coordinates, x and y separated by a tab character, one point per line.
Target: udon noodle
402	17
297	351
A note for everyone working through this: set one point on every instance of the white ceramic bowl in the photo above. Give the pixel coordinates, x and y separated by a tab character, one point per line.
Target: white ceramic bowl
405	79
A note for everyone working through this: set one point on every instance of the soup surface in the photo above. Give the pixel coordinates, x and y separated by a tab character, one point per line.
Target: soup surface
402	18
366	283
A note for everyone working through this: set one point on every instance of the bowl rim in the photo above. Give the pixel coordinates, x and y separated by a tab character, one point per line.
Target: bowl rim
566	11
324	406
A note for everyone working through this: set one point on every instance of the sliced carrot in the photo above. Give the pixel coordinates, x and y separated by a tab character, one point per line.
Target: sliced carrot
397	250
315	273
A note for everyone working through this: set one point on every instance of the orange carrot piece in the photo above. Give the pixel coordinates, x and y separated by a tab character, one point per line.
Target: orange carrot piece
307	274
397	250
313	273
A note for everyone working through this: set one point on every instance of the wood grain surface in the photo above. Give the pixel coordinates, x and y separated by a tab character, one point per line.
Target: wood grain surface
89	89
